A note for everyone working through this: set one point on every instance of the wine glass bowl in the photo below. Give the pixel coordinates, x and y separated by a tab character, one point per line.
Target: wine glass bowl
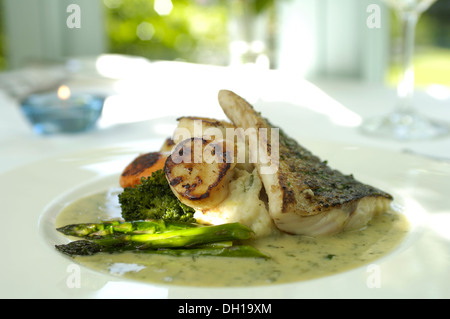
404	122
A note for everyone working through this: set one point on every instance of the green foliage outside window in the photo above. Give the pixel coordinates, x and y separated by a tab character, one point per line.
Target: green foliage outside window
194	31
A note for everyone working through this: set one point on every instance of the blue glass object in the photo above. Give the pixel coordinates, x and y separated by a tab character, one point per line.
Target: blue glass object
48	114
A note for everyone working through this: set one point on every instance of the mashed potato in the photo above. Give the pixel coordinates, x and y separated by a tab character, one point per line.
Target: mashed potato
243	205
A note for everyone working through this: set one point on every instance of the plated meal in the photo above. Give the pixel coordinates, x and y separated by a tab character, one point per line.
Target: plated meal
231	203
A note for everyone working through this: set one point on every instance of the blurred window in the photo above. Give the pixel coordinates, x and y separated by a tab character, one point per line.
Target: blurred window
310	37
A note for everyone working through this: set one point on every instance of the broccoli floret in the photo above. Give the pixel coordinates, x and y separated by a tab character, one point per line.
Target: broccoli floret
153	199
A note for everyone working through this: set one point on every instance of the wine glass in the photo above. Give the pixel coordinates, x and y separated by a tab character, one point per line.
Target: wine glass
405	123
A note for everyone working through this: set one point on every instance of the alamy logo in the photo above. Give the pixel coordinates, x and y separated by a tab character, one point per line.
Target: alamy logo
73	21
374	276
374	19
210	145
74	278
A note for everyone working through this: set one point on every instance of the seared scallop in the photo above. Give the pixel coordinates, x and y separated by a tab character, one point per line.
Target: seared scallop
199	171
142	166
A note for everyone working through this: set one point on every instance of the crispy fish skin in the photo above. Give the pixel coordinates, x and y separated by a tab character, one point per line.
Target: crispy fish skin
320	186
305	195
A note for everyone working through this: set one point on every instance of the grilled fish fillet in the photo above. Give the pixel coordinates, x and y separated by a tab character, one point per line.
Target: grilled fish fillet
305	195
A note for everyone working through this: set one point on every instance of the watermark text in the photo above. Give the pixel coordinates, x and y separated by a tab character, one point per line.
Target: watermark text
73	21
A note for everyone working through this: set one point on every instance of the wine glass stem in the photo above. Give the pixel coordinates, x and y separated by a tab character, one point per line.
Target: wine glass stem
405	89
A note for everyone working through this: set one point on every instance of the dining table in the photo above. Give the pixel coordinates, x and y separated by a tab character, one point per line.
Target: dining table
142	101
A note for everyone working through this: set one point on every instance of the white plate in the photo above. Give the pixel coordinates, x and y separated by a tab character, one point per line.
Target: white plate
33	195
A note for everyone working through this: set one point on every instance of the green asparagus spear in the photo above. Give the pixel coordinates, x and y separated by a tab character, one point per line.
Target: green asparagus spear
178	237
184	237
87	248
112	227
190	241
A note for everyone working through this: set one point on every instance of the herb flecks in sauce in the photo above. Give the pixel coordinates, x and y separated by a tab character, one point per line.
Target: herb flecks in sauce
293	258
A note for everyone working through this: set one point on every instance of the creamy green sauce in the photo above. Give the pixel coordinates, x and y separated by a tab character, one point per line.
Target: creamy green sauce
293	258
